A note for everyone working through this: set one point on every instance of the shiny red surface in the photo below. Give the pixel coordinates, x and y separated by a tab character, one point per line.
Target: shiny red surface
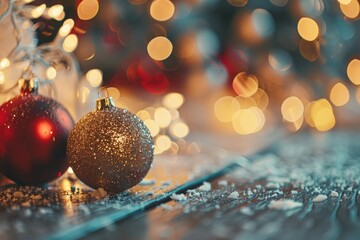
33	135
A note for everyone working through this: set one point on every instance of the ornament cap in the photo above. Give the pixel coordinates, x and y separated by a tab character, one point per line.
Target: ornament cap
29	85
104	103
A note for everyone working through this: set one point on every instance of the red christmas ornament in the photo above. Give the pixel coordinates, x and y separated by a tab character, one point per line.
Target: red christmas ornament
33	135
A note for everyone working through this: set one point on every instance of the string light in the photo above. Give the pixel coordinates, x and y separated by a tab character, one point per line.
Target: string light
51	73
70	43
4	63
94	77
66	27
244	109
38	11
56	11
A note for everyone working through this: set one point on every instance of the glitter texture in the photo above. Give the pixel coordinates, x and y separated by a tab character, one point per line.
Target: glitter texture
110	148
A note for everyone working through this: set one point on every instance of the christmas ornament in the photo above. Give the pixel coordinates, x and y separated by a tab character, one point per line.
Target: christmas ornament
110	148
34	131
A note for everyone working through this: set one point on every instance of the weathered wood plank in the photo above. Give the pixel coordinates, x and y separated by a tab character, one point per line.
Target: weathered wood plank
66	210
298	169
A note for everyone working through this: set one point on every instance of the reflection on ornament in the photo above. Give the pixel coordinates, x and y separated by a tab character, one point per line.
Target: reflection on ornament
34	131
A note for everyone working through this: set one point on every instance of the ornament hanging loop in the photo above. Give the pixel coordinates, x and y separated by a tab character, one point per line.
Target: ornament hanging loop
29	84
103	91
104	102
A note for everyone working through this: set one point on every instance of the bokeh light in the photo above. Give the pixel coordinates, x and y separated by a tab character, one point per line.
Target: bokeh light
237	3
66	27
248	121
173	100
292	109
143	115
245	85
114	92
308	29
255	62
159	48
152	126
162	117
56	12
38	11
280	60
339	94
179	129
4	63
162	10
70	43
246	102
261	98
294	126
345	2
353	71
263	23
88	9
163	142
350	9
225	107
311	8
94	77
319	114
51	73
207	42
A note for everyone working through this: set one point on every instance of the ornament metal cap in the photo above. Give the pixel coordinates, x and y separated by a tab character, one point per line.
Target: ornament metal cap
29	85
104	102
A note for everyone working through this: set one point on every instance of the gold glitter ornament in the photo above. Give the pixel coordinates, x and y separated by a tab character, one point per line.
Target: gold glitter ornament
110	148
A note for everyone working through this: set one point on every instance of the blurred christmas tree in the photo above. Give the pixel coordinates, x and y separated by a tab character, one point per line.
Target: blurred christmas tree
230	59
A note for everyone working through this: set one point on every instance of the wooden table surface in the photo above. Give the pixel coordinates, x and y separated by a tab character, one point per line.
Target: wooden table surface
303	187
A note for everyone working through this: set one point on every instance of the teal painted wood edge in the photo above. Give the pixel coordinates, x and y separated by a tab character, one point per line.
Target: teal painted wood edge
87	227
